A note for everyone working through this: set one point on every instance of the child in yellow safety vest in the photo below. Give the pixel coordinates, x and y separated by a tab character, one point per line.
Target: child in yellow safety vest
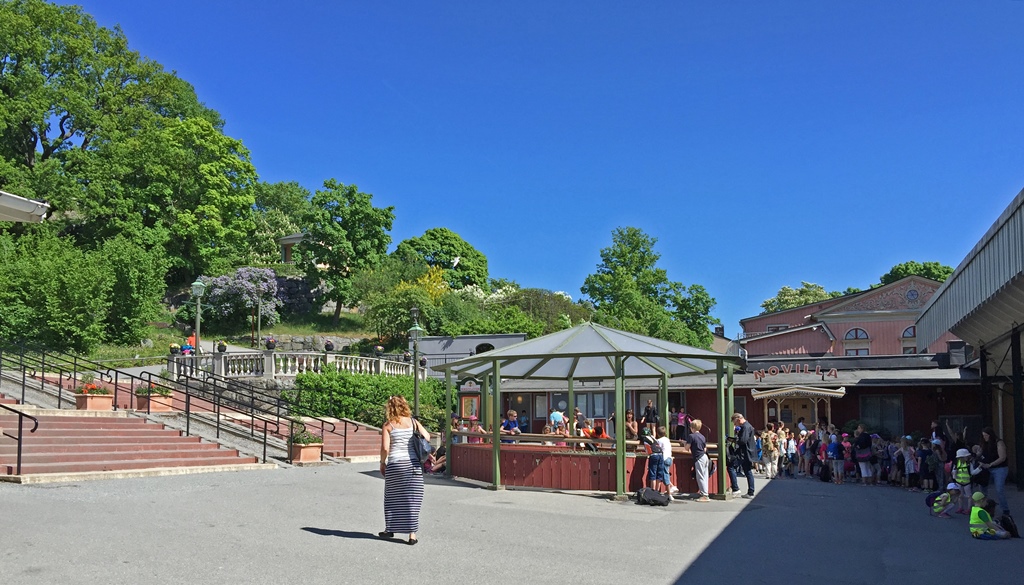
962	478
946	502
983	527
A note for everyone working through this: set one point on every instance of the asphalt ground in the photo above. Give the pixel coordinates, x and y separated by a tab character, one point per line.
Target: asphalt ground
319	525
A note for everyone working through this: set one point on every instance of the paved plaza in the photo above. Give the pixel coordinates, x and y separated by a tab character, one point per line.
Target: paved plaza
318	525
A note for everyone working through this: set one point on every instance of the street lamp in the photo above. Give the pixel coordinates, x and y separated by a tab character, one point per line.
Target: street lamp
198	288
414	334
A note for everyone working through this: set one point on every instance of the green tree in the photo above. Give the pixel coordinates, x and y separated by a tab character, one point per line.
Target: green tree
789	298
344	233
136	288
382	278
555	309
630	292
279	209
463	264
932	270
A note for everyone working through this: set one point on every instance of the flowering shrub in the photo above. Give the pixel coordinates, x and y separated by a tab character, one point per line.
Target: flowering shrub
231	301
91	388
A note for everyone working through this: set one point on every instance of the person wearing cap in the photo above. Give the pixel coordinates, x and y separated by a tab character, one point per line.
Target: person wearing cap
962	478
983	527
946	502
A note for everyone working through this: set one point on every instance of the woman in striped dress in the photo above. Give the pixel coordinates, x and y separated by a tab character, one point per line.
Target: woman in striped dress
403	475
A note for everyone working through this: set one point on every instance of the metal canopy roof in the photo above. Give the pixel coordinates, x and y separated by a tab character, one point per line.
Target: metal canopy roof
587	352
799	391
19	209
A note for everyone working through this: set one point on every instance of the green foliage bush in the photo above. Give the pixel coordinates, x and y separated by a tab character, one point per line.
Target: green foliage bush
361	397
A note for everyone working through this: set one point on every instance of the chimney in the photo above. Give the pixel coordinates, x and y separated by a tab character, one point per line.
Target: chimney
720	330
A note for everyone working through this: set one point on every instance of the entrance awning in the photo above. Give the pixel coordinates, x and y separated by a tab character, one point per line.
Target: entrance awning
799	392
21	210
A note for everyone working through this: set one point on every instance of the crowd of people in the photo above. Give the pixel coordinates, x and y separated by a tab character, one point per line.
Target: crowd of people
957	475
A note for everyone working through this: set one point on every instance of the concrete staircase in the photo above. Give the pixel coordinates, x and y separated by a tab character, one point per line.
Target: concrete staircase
363	441
70	443
6	400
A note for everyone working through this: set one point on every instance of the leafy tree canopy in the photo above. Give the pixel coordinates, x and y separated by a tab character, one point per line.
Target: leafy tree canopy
463	264
344	233
932	270
630	292
789	298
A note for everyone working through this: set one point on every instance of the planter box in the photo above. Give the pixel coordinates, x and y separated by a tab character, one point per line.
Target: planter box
306	453
153	403
94	401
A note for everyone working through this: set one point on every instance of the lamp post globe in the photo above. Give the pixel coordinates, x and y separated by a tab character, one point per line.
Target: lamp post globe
415	332
198	288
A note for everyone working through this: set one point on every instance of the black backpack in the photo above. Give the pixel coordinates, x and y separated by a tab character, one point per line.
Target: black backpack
651	497
826	472
1006	521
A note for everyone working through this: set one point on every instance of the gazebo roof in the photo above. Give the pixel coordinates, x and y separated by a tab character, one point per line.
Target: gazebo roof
588	352
799	392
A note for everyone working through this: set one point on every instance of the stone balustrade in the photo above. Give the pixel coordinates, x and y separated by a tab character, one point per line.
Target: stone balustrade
271	364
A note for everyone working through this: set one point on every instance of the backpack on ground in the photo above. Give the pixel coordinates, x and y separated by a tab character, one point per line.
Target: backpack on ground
1007	523
929	500
651	497
825	474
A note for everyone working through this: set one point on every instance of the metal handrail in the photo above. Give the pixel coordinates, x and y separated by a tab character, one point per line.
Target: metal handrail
115	376
21	423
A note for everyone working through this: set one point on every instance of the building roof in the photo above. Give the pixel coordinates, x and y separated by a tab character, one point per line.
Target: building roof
21	210
588	351
984	297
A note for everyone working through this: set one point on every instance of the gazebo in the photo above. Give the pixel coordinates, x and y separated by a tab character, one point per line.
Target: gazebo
594	352
815	395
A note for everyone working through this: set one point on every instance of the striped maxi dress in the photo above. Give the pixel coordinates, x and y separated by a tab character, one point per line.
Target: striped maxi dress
403	485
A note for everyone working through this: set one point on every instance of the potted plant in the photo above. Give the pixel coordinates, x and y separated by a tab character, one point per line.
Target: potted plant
222	345
153	398
328	345
406	357
306	447
175	349
378	350
270	342
89	396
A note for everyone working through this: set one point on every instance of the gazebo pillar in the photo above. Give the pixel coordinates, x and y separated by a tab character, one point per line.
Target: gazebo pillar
496	436
723	421
620	428
448	391
572	405
730	394
485	401
663	401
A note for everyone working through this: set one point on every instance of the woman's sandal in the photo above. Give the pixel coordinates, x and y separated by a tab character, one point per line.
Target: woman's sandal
386	534
413	540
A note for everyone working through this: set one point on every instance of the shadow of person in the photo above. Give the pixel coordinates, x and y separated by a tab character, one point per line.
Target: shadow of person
340	533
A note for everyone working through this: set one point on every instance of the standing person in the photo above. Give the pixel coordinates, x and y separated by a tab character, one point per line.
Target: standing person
683	424
835	458
698	448
524	422
581	421
403	476
993	449
666	461
650	417
770	446
673	424
863	452
632	429
748	450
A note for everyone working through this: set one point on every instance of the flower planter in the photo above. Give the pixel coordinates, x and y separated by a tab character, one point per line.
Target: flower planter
222	348
271	344
153	403
94	401
306	453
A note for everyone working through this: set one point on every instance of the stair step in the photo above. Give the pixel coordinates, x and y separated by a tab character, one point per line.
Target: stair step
154	431
12	448
32	439
86	424
121	465
101	456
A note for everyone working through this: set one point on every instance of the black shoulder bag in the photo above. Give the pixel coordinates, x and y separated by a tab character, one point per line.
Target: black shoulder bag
420	446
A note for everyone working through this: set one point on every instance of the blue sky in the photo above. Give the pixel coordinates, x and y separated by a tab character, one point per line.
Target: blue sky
761	143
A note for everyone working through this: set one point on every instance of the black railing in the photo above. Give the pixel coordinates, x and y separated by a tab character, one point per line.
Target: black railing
250	402
21	424
192	401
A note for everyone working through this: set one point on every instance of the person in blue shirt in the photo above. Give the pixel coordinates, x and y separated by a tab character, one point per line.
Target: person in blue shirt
510	425
524	422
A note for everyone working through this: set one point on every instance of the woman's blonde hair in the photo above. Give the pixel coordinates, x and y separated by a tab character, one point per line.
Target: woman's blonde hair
396	408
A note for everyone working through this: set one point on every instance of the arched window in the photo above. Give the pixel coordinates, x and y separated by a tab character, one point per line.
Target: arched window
910	332
856	333
483	347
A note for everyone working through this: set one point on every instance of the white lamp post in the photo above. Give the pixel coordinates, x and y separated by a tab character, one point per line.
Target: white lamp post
414	334
198	288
